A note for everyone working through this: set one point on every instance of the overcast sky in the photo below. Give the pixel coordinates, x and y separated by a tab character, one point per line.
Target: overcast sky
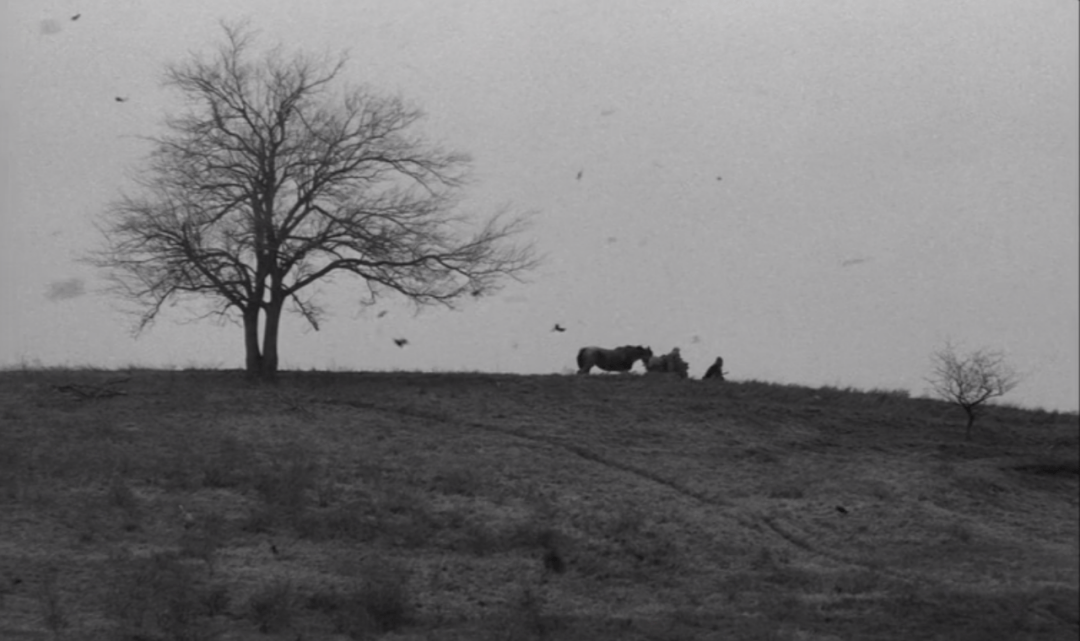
822	192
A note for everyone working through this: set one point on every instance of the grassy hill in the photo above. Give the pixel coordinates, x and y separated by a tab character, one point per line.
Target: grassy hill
194	505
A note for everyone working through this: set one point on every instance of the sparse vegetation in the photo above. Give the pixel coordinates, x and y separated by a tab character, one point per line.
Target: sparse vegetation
197	505
971	380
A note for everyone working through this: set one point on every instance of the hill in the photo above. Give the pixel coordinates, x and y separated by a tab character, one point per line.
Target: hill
192	504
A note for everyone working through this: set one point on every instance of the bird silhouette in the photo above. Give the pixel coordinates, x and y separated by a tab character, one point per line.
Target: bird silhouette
580	174
76	17
841	509
401	342
119	99
381	314
558	328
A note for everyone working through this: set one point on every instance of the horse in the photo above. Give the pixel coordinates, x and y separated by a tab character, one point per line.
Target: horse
716	370
671	362
620	359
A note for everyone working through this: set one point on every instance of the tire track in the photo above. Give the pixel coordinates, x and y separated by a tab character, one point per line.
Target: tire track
742	515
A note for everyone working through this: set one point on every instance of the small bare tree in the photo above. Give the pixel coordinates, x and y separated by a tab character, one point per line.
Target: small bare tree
970	380
271	182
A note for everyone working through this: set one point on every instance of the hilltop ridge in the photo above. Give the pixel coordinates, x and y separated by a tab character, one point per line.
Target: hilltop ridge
483	505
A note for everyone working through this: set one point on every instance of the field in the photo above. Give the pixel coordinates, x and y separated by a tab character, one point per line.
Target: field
147	505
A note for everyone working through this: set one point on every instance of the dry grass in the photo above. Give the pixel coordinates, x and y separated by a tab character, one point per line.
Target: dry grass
474	506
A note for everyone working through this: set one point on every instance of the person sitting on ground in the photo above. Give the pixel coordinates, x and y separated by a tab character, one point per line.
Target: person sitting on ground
716	370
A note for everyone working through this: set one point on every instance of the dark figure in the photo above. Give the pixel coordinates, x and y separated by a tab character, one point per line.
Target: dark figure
76	16
119	99
401	342
558	328
668	363
716	370
620	359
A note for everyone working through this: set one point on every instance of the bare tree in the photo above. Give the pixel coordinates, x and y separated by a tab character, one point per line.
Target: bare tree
970	380
271	181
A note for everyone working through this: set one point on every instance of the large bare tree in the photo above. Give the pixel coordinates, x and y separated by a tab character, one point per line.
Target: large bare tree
971	379
271	180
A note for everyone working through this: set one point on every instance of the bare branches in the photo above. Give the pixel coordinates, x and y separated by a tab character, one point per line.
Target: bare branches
271	180
970	380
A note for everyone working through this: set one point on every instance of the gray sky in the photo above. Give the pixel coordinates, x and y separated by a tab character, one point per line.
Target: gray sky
894	174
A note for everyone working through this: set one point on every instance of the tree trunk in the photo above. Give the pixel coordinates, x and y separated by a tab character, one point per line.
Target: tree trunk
254	360
971	420
268	371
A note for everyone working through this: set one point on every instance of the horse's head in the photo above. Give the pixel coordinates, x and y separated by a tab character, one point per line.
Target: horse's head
645	353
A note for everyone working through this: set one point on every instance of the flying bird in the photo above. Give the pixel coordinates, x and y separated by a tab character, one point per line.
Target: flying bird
381	314
854	261
76	17
401	342
558	328
580	173
607	112
719	178
119	99
841	509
